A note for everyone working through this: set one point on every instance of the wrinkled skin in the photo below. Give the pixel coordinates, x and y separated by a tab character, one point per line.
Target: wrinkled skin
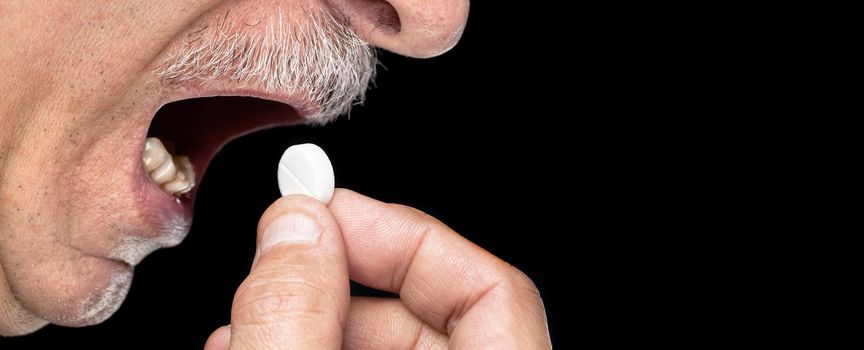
77	94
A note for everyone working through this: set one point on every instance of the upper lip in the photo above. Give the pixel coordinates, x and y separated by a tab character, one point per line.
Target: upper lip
300	102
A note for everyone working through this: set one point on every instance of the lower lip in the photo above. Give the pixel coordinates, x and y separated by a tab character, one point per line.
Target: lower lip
163	214
159	204
166	221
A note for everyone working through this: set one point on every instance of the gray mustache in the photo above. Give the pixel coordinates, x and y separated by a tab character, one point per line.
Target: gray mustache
312	53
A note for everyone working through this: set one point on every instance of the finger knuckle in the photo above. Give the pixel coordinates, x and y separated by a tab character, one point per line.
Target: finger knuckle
521	279
414	215
273	300
522	286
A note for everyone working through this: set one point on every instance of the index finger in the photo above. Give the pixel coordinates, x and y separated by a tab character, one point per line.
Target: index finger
448	282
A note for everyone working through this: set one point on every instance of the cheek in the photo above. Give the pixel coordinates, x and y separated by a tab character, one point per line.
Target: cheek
47	275
94	199
64	201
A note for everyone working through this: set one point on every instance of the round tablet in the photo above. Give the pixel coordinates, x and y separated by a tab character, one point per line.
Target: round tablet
306	169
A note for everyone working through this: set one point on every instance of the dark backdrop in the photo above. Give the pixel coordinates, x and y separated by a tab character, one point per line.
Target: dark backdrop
466	137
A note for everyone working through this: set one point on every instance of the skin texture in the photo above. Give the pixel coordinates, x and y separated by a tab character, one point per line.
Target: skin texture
77	95
452	293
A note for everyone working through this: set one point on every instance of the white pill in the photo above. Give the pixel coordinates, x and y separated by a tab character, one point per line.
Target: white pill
305	169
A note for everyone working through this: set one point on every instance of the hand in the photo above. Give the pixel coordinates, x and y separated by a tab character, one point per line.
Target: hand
452	292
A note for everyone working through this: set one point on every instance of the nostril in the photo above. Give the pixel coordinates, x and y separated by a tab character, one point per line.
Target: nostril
380	15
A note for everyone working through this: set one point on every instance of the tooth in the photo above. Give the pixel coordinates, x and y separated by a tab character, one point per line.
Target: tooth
178	186
184	165
154	154
164	173
185	178
174	174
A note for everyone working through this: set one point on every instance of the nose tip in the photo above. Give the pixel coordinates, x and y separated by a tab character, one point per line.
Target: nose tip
415	28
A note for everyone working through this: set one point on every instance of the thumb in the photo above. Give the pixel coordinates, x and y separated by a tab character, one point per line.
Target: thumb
297	294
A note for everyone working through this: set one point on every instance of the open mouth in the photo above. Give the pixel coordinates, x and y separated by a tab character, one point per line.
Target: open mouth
210	92
185	135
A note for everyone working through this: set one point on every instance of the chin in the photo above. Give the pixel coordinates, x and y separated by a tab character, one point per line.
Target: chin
78	293
99	303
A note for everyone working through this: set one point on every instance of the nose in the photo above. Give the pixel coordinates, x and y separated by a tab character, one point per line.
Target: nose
415	28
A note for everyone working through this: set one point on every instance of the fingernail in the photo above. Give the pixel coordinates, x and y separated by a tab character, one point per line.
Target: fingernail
290	228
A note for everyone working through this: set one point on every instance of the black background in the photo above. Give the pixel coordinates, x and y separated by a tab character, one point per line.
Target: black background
466	137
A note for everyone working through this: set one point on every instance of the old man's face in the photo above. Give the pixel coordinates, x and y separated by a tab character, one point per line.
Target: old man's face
91	183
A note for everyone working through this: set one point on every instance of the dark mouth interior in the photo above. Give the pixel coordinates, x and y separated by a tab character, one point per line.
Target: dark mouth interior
199	127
